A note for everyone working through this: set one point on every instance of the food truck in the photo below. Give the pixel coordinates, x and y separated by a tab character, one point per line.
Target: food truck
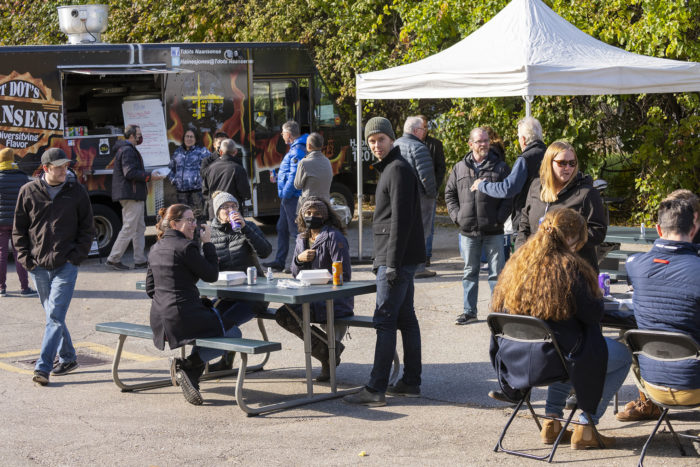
79	97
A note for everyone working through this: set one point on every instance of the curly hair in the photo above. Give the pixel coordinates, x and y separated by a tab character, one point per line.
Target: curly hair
332	220
165	215
537	280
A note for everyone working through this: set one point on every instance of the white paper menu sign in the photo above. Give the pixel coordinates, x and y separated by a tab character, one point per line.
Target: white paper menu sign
148	114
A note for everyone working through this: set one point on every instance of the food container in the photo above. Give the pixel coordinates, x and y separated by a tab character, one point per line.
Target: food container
315	276
230	278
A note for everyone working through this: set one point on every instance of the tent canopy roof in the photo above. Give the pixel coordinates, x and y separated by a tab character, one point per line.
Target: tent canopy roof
528	50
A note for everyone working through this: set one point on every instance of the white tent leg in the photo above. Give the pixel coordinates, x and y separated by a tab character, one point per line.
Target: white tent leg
359	153
528	104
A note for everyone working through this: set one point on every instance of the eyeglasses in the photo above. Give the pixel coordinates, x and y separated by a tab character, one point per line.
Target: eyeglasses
571	163
482	141
189	220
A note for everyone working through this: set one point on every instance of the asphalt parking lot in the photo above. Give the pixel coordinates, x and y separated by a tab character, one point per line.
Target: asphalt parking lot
83	418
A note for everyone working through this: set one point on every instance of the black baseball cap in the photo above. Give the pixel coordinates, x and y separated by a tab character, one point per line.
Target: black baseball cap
54	156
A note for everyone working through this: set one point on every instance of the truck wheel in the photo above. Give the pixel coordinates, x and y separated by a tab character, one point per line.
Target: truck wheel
342	196
107	226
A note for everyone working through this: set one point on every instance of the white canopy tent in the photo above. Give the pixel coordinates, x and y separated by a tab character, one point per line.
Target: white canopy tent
525	50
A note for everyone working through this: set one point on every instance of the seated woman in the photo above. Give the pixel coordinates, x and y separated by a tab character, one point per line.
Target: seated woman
178	315
320	242
547	280
237	250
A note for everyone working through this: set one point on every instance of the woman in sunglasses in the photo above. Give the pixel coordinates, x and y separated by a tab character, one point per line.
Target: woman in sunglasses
561	185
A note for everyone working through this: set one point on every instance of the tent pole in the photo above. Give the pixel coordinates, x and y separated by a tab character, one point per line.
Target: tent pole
528	104
359	154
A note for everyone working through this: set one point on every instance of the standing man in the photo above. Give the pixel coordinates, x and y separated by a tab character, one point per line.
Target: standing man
219	138
53	231
525	170
666	282
437	154
418	157
314	173
286	225
227	174
480	217
399	246
129	188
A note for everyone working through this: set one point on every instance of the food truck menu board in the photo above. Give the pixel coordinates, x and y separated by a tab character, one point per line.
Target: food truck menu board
148	114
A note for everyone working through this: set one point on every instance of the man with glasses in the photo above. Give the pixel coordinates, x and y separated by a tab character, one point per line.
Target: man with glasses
480	217
54	207
417	155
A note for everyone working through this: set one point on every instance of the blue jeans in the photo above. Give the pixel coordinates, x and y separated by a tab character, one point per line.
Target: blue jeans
55	288
238	313
470	249
619	361
394	310
286	226
429	236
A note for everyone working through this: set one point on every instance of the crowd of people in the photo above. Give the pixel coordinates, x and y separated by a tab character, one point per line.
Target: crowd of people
545	201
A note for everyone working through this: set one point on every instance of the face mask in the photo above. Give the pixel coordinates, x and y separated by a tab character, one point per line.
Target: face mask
313	222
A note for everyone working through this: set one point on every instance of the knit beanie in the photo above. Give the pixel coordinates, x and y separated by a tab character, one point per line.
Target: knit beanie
7	155
314	202
379	125
222	198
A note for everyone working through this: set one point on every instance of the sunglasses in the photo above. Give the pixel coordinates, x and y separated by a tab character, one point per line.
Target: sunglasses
571	163
189	220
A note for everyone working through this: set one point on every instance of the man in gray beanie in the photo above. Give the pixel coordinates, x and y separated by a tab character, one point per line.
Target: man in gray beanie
399	247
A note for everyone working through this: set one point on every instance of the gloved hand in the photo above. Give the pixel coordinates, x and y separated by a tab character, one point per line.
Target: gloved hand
391	276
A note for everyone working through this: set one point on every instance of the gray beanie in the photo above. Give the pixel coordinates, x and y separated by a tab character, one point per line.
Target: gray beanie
379	125
221	198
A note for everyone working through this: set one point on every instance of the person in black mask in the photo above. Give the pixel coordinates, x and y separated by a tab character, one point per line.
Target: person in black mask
320	242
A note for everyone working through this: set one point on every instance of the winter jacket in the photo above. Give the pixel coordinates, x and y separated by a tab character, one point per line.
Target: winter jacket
437	153
397	226
522	365
666	282
580	196
418	157
178	316
288	169
185	166
10	182
235	248
314	176
48	233
227	174
330	245
474	212
129	176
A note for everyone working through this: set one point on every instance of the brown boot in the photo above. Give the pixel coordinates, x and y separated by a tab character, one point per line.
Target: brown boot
325	374
640	410
584	438
550	431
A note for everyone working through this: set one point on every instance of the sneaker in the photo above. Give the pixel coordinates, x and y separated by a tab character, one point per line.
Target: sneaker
3	292
550	431
584	438
40	377
365	397
466	319
65	368
141	265
500	396
276	267
427	262
640	410
424	274
118	266
224	363
571	402
28	292
325	374
189	389
403	389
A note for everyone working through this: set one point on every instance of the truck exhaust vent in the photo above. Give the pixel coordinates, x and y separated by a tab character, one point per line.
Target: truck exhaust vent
83	24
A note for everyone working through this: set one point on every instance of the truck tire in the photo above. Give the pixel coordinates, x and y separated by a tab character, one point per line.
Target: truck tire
107	226
342	196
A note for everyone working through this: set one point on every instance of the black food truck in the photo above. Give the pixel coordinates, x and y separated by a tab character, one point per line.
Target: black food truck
79	98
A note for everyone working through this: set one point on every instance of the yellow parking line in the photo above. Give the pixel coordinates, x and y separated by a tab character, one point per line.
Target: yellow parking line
14	369
98	348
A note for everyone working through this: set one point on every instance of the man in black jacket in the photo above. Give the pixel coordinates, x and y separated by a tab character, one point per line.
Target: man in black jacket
129	180
227	174
52	234
399	246
480	217
437	153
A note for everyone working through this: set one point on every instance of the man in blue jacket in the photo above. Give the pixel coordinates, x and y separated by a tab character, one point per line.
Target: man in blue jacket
286	226
666	297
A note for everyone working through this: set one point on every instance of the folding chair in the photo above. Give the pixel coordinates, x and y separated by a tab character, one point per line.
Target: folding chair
529	331
662	346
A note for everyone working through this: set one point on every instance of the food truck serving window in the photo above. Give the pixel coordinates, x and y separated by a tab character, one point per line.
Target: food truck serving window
105	70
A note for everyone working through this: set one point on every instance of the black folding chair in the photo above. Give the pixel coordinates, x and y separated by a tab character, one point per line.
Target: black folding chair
528	330
663	346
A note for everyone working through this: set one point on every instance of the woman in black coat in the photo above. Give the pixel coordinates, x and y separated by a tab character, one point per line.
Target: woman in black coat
547	280
178	315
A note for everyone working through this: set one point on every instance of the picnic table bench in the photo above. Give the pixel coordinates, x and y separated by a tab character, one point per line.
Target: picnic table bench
625	235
